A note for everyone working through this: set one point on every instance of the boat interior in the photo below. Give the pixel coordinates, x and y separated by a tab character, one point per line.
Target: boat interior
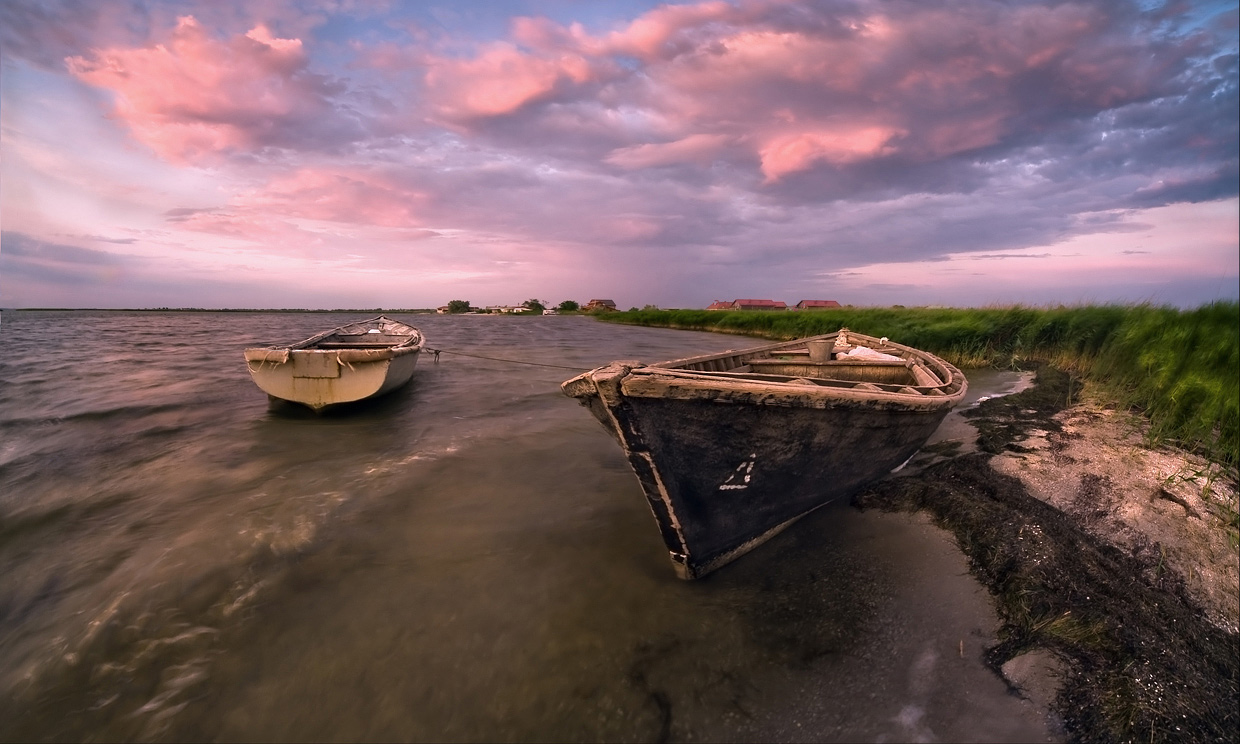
373	339
879	367
376	333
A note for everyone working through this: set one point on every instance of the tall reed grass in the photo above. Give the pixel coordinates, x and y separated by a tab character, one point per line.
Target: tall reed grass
1181	367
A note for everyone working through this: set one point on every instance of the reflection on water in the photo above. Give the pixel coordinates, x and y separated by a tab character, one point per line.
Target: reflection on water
469	559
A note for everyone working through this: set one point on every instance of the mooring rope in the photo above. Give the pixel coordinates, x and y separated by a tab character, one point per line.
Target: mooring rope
437	352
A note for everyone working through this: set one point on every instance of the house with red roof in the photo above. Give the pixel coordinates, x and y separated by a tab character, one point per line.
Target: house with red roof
815	304
759	305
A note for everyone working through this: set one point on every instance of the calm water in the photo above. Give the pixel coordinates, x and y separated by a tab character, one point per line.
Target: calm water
468	559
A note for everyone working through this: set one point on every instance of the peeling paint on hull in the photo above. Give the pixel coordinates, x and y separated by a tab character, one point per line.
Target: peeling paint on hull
728	457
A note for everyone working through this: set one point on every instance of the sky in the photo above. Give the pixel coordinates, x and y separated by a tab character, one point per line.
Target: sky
379	153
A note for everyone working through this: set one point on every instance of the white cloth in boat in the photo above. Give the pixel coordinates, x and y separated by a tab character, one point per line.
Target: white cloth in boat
863	352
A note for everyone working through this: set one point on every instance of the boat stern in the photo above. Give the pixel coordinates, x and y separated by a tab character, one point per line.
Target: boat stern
318	379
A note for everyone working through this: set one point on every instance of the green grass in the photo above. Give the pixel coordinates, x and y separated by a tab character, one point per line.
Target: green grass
1179	367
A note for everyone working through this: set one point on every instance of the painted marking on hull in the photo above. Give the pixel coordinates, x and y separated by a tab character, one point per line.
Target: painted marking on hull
744	471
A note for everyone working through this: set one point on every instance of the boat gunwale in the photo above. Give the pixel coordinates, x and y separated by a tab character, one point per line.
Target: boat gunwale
751	392
415	342
793	381
669	379
739	352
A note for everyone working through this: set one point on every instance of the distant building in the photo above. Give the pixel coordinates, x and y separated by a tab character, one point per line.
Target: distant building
816	304
442	309
759	305
506	308
600	305
720	305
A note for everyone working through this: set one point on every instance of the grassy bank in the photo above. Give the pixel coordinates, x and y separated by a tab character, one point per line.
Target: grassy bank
1178	366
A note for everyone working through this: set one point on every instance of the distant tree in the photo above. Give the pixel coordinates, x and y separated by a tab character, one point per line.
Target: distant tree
650	307
458	306
568	306
534	305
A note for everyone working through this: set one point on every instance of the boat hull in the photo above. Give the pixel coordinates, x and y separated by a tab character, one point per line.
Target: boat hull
323	378
727	463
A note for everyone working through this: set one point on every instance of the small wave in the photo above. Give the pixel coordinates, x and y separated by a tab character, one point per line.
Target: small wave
30	518
100	414
104	414
423	455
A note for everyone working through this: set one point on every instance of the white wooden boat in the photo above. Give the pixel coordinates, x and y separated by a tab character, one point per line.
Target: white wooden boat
353	362
731	448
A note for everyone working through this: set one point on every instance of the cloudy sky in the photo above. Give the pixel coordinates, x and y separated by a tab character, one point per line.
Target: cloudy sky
371	153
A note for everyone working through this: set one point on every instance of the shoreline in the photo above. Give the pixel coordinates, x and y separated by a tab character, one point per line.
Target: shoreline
1168	506
1113	573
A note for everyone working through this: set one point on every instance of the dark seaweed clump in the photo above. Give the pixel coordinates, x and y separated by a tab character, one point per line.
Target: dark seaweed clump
1143	663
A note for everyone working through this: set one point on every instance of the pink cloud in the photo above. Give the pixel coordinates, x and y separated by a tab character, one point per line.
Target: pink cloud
503	78
660	33
253	228
350	199
696	148
948	82
788	153
769	81
630	228
196	95
500	80
981	130
339	196
744	60
667	30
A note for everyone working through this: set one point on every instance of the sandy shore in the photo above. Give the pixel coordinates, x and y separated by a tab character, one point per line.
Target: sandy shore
1112	563
1163	504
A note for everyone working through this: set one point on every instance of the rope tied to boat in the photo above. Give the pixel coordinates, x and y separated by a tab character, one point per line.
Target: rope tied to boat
437	352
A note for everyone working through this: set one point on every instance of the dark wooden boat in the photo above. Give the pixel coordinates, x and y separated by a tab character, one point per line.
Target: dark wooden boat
346	364
731	448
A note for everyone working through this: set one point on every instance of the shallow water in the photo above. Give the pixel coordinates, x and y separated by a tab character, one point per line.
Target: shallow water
467	559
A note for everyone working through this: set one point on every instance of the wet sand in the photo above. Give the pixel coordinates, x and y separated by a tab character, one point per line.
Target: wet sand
1112	565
